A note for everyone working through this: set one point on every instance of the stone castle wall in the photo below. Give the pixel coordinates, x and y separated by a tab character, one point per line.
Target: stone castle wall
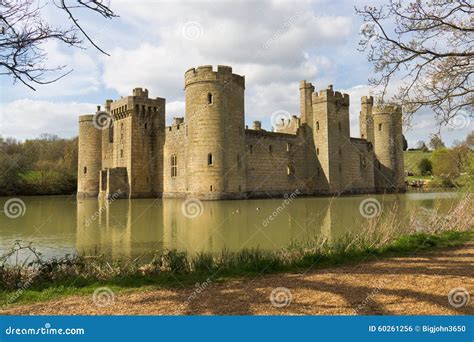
275	163
210	154
89	157
174	184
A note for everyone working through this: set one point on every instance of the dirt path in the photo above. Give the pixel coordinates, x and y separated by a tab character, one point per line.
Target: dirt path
409	285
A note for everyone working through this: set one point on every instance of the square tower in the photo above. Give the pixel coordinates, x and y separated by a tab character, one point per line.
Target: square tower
332	138
137	138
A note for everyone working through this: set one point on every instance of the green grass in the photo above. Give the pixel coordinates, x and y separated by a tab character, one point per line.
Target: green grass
31	176
413	158
187	271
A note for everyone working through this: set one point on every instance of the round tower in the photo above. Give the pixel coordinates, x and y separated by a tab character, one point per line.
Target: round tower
388	148
89	157
215	133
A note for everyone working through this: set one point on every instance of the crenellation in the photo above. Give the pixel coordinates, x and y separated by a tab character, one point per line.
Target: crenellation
367	100
211	154
206	74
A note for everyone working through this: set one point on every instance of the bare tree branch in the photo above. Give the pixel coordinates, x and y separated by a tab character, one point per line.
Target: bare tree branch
23	33
429	46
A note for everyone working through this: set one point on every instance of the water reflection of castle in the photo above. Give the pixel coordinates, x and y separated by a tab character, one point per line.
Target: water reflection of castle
134	227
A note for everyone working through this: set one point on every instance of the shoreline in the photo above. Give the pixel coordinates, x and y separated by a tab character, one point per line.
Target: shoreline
416	283
246	265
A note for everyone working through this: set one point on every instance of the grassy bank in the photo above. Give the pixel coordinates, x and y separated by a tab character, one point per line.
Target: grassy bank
384	236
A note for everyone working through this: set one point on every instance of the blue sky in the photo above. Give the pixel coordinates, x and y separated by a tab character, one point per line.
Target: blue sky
275	44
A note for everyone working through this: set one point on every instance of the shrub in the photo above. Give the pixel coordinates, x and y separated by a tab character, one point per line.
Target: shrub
425	166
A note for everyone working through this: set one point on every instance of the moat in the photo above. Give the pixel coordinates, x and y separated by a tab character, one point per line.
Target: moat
58	225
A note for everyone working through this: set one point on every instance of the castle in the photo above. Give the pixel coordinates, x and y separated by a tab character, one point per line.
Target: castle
210	154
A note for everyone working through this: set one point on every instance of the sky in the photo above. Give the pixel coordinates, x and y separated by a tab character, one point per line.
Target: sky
275	44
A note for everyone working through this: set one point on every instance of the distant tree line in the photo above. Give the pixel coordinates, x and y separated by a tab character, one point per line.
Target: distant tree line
448	164
43	166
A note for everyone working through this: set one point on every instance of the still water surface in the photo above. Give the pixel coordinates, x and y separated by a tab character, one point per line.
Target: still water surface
58	225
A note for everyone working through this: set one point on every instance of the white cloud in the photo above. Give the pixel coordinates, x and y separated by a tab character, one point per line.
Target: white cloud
274	44
27	118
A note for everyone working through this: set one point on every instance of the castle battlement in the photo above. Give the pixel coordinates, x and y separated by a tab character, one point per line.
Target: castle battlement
205	73
86	117
329	95
367	100
211	154
387	109
140	92
306	85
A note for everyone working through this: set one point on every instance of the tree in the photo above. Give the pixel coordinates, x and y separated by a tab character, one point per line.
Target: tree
25	32
461	155
420	145
405	143
425	166
429	46
470	140
436	142
445	164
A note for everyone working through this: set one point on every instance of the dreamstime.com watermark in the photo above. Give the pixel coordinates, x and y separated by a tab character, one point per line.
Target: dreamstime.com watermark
46	330
280	119
369	31
370	208
94	217
460	121
200	287
14	208
103	296
192	30
459	297
370	297
18	293
102	120
281	297
284	27
281	207
192	208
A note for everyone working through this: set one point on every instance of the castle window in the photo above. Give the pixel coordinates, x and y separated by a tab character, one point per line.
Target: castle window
209	159
289	170
380	127
317	151
137	108
121	153
363	163
125	107
111	133
238	161
210	188
362	136
209	98
319	171
145	126
270	148
340	168
174	165
288	147
85	169
339	126
317	125
340	152
251	149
